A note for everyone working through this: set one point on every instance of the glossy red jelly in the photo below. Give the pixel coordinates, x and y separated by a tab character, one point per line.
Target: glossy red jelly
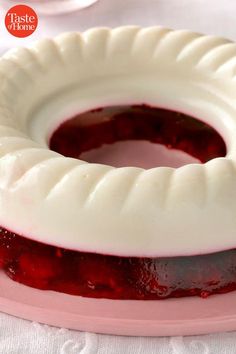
169	128
103	276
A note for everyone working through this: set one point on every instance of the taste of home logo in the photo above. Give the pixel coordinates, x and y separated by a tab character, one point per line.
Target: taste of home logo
21	21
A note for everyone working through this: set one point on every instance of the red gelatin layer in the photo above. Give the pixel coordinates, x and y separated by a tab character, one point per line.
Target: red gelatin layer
169	128
101	276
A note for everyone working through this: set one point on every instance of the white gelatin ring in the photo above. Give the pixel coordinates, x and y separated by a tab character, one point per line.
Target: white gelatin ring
97	208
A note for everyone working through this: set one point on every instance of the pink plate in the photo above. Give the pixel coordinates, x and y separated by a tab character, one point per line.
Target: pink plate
186	316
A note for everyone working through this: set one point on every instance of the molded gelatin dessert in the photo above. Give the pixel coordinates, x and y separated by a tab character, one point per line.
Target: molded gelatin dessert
137	231
93	275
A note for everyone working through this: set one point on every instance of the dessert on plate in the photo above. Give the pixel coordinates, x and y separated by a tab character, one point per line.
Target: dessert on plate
117	164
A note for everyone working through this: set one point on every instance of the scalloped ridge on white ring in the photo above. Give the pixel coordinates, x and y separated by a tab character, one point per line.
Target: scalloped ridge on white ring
97	208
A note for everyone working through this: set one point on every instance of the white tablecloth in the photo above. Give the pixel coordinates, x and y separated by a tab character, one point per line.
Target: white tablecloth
209	16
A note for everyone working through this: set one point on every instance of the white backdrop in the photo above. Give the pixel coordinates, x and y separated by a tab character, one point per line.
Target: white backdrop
208	16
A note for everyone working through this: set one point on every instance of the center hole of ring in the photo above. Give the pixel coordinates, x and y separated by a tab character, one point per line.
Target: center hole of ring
138	136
